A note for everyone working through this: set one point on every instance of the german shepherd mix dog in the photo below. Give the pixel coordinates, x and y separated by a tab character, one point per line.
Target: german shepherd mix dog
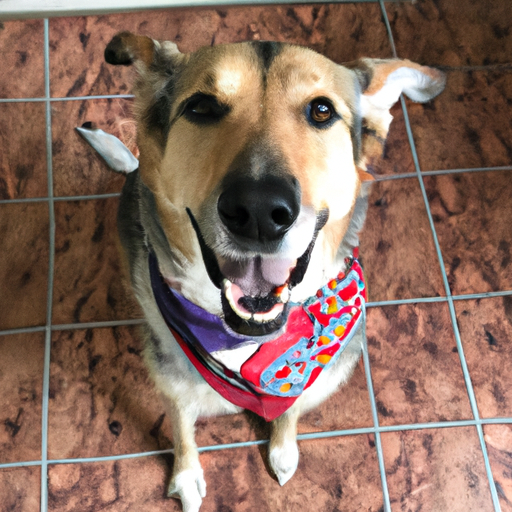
240	227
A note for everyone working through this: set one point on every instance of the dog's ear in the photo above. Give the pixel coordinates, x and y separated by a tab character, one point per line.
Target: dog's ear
126	48
382	82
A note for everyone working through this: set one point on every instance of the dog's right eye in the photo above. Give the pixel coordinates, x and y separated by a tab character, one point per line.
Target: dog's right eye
204	109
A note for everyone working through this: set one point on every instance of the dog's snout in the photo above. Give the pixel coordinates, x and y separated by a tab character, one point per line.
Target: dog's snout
261	209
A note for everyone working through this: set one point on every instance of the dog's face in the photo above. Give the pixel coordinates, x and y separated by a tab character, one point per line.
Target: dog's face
255	153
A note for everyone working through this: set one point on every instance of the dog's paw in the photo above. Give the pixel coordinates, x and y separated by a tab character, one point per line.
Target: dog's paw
284	461
188	486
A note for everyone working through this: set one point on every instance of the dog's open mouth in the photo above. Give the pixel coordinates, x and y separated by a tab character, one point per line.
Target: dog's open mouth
255	292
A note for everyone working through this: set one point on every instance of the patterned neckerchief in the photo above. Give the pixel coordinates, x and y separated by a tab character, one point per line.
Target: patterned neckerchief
266	375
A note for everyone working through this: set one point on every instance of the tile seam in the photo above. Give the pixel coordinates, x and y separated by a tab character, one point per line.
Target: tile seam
307	436
377	179
375	418
139	321
51	262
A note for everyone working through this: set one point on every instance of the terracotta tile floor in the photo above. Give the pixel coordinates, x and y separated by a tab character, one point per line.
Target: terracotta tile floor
80	421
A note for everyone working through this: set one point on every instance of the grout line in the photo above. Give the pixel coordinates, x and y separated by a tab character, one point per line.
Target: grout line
483	295
471	169
301	437
86	198
377	179
93	325
61	198
96	97
399	302
51	263
138	321
23	330
377	429
71	98
9	465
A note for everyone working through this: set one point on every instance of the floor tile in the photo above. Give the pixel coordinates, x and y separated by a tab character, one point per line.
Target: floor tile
332	475
22	50
443	32
104	403
22	150
348	408
88	284
438	469
20	489
416	369
468	125
342	32
469	212
77	168
399	256
486	330
498	439
23	264
21	381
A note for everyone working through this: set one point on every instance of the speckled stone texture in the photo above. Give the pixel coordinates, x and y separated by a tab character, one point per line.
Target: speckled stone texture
23	154
20	488
101	400
21	382
22	59
436	469
415	364
23	264
89	284
471	213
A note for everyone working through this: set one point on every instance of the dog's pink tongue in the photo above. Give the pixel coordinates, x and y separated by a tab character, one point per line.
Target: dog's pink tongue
257	276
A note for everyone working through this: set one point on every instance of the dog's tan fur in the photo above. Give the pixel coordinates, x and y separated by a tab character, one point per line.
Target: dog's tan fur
183	165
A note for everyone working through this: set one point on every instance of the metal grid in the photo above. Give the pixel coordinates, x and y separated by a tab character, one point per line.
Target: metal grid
376	430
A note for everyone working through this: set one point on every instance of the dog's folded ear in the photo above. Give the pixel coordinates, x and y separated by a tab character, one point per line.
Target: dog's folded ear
126	48
382	81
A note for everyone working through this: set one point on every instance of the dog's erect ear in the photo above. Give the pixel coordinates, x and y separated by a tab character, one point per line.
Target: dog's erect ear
382	82
126	48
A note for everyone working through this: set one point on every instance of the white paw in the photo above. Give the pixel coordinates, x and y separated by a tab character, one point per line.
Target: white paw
284	461
188	486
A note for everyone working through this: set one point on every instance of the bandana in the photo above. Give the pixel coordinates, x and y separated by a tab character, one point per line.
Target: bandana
267	374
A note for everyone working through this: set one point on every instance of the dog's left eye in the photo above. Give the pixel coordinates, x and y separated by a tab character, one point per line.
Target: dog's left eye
203	109
320	111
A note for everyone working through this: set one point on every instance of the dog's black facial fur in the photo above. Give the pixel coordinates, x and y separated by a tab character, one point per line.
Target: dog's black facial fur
210	261
267	51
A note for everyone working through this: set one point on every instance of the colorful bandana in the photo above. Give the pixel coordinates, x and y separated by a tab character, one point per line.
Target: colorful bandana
264	374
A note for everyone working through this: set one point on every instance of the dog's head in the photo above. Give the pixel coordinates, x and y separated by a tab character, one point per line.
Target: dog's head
255	153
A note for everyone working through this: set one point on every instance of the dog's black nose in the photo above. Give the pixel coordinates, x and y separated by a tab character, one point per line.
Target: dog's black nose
261	209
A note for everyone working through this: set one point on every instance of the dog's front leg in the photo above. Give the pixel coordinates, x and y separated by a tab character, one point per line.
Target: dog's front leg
187	481
283	450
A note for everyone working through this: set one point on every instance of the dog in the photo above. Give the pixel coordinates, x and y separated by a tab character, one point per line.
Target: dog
240	227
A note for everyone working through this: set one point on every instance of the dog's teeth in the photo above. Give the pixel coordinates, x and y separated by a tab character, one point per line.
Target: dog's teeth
285	295
227	287
269	315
